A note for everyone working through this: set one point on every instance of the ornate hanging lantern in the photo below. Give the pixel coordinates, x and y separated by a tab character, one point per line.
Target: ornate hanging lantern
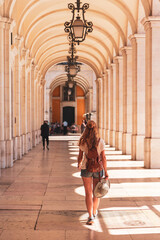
78	27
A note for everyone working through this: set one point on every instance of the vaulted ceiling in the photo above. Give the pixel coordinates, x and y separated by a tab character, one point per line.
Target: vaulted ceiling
41	24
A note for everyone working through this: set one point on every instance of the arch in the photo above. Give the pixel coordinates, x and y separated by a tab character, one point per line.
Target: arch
44	61
101	30
111	20
61	59
90	37
87	45
61	79
147	7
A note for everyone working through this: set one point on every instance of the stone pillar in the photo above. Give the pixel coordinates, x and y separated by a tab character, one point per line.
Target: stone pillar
18	138
23	101
120	105
152	100
114	104
2	139
111	106
127	100
117	94
29	138
33	105
100	111
104	106
138	93
107	106
6	81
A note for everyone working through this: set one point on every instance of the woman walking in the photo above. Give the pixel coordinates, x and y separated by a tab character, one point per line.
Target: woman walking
88	141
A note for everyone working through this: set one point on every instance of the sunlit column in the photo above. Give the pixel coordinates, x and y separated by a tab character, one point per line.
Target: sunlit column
97	102
16	76
138	99
152	92
127	100
111	105
117	120
104	106
28	76
7	96
33	105
23	99
100	97
114	103
107	106
2	140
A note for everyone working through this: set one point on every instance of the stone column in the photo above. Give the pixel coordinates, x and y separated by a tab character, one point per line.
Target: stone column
104	107
23	100
7	96
152	89
107	106
138	99
28	75
111	106
127	100
114	104
33	106
18	138
119	120
2	139
100	99
97	102
117	94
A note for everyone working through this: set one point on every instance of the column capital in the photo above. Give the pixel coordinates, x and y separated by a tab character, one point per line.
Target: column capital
151	21
117	59
126	50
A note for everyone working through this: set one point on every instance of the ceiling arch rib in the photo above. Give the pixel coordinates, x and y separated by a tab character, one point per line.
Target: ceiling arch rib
34	4
147	7
61	79
51	49
38	44
63	53
44	31
61	59
103	31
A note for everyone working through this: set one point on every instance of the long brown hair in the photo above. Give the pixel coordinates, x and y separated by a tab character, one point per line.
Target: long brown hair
90	135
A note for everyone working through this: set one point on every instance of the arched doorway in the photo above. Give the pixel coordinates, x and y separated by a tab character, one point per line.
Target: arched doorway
69	115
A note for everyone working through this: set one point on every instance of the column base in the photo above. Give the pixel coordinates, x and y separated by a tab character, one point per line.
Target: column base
103	133
19	147
15	148
151	153
117	140
120	136
3	154
138	147
107	137
9	153
128	143
33	139
26	143
100	132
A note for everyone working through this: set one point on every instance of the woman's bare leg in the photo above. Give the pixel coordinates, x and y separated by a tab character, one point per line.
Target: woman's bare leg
87	181
96	201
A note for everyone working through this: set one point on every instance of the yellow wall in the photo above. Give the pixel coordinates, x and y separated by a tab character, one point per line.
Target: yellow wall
56	110
80	110
56	92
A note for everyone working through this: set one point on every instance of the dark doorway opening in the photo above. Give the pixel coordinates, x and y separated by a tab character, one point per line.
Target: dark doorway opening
69	115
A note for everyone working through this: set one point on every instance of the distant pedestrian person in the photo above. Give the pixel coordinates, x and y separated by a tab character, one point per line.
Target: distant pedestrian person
65	125
83	126
92	163
45	134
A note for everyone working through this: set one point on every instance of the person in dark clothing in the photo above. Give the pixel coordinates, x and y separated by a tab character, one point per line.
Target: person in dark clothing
45	134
